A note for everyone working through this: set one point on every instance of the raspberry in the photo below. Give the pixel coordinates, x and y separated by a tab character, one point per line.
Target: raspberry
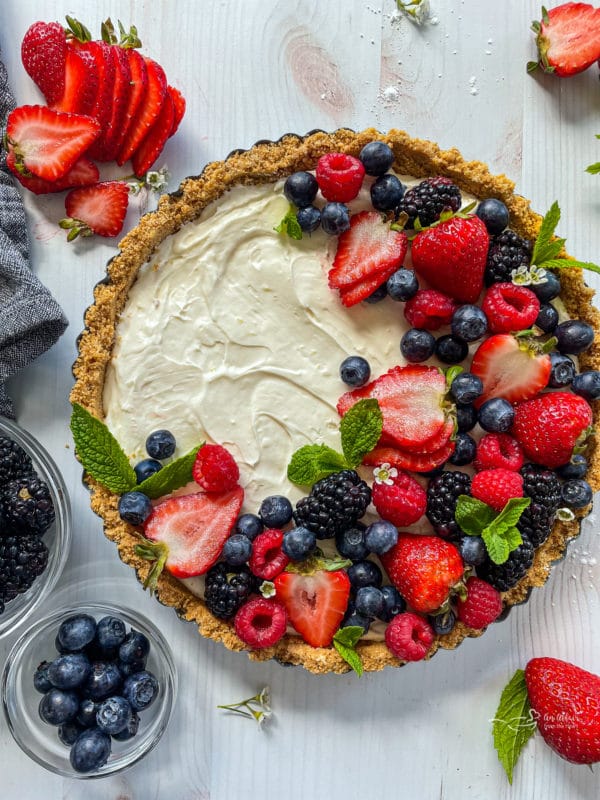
428	199
509	307
214	469
401	503
496	487
482	605
339	177
429	309
268	559
498	450
261	622
409	636
507	251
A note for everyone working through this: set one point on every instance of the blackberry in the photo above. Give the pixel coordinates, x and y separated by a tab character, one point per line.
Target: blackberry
22	559
227	589
507	251
505	576
442	496
428	199
544	488
334	504
27	505
14	461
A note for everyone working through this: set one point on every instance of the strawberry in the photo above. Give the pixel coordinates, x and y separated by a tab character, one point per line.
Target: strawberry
47	143
80	83
83	173
178	107
568	39
424	569
153	142
103	102
315	603
510	367
138	90
147	111
549	427
43	53
186	534
451	256
359	291
97	209
409	460
122	88
565	701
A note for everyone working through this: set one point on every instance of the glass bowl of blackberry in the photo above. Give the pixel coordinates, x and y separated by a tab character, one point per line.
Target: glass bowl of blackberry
35	525
88	691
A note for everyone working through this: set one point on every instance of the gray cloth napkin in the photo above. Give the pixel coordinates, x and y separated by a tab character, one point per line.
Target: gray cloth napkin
31	320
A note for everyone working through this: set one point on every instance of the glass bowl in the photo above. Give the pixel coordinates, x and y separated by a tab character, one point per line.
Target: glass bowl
20	700
57	537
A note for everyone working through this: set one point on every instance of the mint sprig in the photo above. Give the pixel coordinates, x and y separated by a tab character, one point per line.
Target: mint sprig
547	246
497	529
289	225
344	641
594	169
513	724
172	476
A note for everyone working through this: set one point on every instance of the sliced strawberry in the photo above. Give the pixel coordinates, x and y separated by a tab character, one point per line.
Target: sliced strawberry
152	144
315	603
568	38
409	459
80	84
43	53
439	440
138	89
47	143
510	368
83	173
103	103
147	112
97	209
115	129
178	105
356	292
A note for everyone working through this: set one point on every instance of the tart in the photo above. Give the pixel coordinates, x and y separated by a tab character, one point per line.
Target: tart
215	326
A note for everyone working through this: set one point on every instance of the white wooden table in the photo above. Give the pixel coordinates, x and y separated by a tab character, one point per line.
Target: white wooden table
257	70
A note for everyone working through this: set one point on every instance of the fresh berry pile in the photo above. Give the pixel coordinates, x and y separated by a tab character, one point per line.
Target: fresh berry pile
95	688
26	513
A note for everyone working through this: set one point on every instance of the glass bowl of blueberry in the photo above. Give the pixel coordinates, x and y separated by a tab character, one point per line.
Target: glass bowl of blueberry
35	525
87	692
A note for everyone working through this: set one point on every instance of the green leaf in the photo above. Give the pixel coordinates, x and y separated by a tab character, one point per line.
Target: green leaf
472	515
570	263
344	642
99	452
496	545
173	475
318	562
546	233
349	635
361	428
289	225
312	462
511	513
593	169
513	538
513	724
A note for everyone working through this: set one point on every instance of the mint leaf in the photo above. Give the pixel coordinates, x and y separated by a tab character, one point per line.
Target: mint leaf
513	724
513	538
173	475
472	515
318	562
344	642
312	462
361	428
545	235
570	263
511	513
593	169
289	225
99	452
496	545
349	635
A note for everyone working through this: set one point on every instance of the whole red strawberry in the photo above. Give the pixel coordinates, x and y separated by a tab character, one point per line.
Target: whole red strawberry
423	569
549	426
565	701
43	53
451	256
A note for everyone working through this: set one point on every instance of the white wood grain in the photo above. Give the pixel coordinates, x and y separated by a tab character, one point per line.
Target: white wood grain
257	70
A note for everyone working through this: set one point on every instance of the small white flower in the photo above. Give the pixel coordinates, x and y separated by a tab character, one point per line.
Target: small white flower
384	474
418	11
525	275
565	515
538	274
257	707
157	180
267	589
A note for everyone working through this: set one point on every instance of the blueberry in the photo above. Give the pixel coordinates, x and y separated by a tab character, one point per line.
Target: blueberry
369	601
237	550
301	188
576	493
69	671
365	573
76	632
160	444
130	730
466	388
134	507
381	536
113	714
298	543
104	679
275	511
144	469
353	619
351	543
134	646
587	384
110	634
335	218
90	751
140	690
377	158
576	467
496	415
547	318
402	284
469	323
69	731
465	449
378	295
386	192
60	647
309	218
86	715
355	371
574	336
41	681
57	706
466	418
548	290
472	550
249	525
417	345
494	215
132	667
443	623
562	370
450	349
393	603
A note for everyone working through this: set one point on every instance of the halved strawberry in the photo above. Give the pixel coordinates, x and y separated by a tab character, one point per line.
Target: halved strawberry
411	460
97	209
178	105
510	367
43	53
439	440
122	88
152	144
190	531
147	111
83	173
356	292
315	603
80	84
46	142
568	39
